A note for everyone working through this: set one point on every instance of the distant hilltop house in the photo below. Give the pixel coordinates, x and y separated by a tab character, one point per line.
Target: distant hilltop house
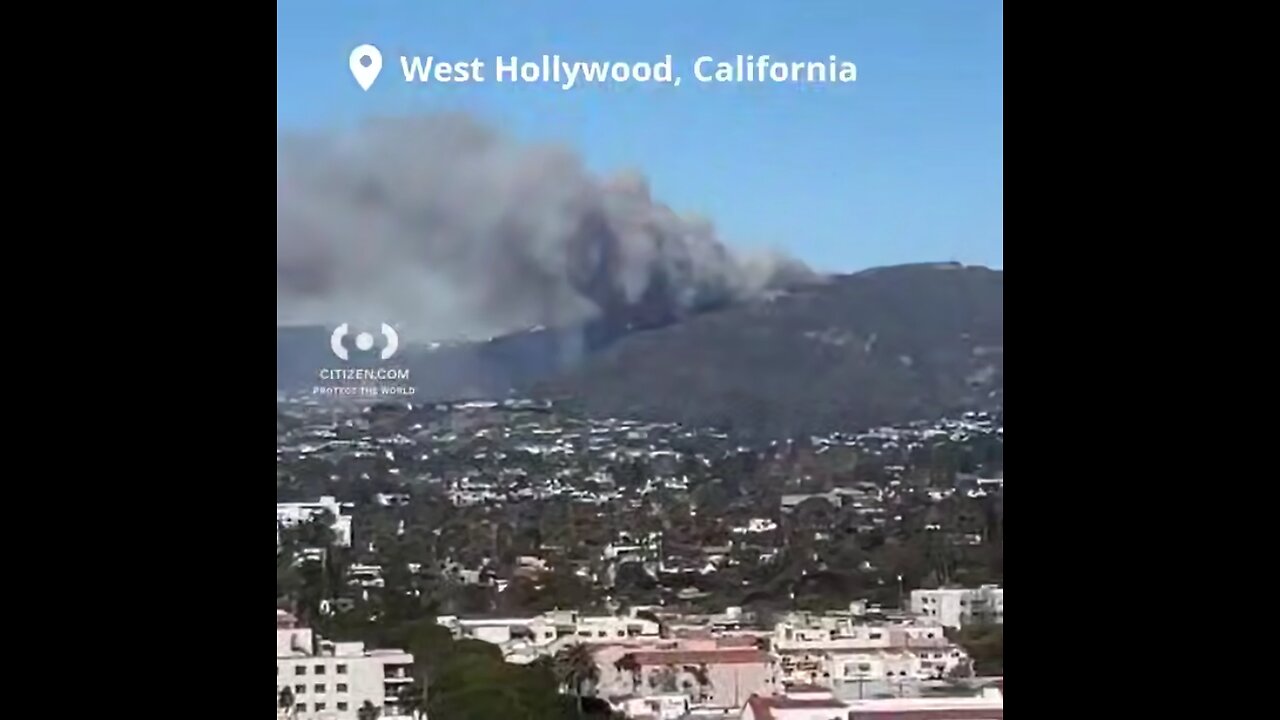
293	514
756	525
837	497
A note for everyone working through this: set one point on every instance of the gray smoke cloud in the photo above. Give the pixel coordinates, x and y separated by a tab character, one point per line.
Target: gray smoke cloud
446	227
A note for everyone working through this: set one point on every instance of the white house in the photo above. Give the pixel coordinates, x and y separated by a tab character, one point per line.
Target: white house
956	607
292	514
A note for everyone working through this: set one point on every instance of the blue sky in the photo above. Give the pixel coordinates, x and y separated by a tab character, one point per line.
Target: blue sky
904	165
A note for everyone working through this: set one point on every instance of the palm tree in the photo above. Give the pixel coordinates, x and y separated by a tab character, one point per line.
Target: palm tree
368	711
700	674
284	700
575	668
412	699
627	663
664	679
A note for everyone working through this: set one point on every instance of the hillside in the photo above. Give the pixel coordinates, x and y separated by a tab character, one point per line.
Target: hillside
886	345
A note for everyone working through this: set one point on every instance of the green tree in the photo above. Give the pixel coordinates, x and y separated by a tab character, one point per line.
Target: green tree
318	531
664	679
576	669
284	700
985	644
412	699
473	684
368	711
627	663
702	677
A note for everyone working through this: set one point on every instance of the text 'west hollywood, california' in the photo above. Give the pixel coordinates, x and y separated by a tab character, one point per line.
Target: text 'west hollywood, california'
566	74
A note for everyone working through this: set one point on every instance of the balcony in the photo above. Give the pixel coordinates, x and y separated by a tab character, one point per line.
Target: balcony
397	673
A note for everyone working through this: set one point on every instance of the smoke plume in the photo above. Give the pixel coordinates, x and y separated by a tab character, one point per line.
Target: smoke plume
452	231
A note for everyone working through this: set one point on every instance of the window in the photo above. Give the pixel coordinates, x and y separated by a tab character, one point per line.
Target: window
299	689
319	669
319	688
319	707
930	636
342	669
342	687
300	670
600	633
622	633
876	635
342	706
301	707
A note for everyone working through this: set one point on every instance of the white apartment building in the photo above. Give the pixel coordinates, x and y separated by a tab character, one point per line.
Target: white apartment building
956	607
331	681
523	640
291	514
857	660
813	704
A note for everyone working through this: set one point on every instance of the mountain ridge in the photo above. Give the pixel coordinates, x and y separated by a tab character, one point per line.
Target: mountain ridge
889	344
886	345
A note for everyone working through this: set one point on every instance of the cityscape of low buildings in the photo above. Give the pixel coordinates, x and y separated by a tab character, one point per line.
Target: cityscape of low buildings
850	661
504	509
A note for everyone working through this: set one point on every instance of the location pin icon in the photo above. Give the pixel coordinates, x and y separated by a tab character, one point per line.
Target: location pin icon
366	63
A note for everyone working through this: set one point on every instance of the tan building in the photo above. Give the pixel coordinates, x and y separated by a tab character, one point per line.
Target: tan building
862	660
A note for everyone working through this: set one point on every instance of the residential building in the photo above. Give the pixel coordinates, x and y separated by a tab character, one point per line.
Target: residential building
858	660
809	703
332	680
523	640
957	607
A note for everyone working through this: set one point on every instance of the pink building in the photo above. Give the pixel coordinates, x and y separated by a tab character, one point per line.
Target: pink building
709	675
